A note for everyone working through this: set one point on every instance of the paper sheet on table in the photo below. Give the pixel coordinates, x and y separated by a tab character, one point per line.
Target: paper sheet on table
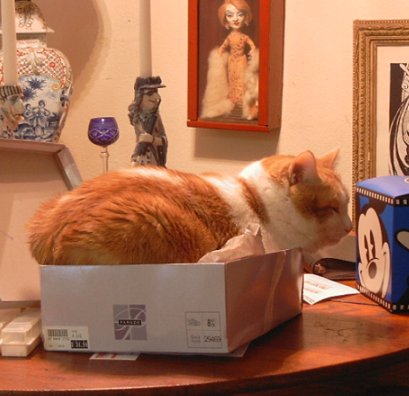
318	288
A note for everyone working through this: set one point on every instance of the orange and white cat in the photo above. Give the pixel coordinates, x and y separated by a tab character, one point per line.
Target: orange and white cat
157	215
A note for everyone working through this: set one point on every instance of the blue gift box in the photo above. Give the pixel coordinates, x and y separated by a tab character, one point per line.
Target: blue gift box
382	218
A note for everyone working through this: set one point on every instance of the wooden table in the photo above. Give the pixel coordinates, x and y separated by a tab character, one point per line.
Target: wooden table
347	346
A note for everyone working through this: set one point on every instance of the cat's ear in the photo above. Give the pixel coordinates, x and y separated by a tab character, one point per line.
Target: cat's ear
329	159
303	169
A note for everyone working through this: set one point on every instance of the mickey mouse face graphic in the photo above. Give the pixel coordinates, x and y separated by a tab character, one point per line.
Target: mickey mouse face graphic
374	253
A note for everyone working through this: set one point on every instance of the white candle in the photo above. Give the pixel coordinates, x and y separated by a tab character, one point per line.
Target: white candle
145	51
8	22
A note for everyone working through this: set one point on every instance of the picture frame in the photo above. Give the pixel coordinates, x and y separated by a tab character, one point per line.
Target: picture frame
379	48
206	32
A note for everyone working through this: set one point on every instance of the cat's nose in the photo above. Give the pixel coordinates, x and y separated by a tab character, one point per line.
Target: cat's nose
348	225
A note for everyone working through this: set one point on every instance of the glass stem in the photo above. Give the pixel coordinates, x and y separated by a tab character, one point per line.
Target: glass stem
104	156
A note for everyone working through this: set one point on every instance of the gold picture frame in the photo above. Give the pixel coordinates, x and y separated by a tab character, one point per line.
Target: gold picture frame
375	42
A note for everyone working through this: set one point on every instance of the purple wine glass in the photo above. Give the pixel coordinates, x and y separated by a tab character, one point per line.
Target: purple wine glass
103	131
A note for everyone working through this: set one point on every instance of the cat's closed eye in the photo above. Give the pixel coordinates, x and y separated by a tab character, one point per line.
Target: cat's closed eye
327	211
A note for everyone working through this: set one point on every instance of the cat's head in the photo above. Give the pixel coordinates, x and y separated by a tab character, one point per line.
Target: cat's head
318	195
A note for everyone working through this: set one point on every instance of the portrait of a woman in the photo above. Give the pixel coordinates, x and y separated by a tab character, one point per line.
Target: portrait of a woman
232	76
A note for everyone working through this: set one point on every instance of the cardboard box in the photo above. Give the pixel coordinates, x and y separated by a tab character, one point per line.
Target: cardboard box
169	308
382	210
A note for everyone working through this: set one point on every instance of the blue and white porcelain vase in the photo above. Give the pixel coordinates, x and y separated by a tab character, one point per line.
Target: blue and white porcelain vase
44	75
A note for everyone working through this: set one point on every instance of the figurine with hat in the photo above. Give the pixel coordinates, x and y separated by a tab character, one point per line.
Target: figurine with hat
151	141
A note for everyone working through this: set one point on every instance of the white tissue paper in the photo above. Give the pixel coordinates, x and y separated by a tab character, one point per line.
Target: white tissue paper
248	244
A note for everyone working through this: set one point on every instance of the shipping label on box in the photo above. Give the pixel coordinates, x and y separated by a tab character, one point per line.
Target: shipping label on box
382	210
169	308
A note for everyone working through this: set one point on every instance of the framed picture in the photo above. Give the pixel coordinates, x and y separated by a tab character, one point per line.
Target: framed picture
380	98
235	65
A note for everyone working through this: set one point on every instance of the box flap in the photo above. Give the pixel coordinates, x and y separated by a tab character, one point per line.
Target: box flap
262	292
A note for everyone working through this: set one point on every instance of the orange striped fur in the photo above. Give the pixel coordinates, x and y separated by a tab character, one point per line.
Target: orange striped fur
157	215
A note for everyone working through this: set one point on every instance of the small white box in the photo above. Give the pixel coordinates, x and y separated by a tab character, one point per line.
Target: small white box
20	350
22	334
169	308
6	316
23	328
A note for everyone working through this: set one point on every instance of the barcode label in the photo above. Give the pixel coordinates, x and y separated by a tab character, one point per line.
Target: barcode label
57	333
67	338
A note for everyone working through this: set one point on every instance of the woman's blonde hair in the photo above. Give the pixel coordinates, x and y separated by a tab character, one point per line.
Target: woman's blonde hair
241	5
